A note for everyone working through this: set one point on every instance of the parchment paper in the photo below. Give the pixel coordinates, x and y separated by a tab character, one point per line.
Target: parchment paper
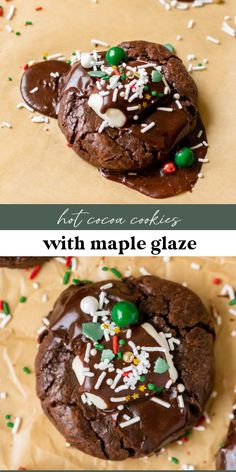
36	165
38	445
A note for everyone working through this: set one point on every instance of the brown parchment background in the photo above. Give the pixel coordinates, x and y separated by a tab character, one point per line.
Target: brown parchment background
38	445
37	167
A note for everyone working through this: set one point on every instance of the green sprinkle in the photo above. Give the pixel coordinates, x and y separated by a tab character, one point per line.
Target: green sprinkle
66	278
121	69
122	342
44	58
28	23
160	366
92	331
99	346
156	76
151	387
107	355
105	269
187	434
8	417
200	64
174	460
26	370
68	62
116	273
6	308
142	378
23	299
146	88
232	302
159	389
10	79
154	93
85	281
18	33
170	47
123	76
119	355
97	73
160	95
10	424
76	281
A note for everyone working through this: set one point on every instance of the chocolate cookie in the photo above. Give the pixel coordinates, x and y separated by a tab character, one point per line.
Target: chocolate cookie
226	457
21	262
131	112
126	366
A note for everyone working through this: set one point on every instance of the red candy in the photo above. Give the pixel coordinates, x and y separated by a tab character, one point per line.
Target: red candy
1	11
168	168
216	281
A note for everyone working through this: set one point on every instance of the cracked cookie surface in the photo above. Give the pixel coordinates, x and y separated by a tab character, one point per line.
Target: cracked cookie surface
21	262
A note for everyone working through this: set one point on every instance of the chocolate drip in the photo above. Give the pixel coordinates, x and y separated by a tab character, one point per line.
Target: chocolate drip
39	76
154	184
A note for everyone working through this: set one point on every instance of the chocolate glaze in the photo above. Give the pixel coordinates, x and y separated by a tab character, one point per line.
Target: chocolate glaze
153	183
45	100
226	457
171	126
170	308
72	322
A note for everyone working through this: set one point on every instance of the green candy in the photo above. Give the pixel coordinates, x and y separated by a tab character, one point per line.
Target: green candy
115	56
160	366
184	157
107	355
125	313
151	387
92	331
170	47
156	76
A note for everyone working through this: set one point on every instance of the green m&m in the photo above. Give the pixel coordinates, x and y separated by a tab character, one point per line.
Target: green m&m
115	56
184	157
125	313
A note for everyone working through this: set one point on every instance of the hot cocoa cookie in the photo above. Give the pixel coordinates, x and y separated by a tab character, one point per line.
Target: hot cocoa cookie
21	262
131	112
126	366
226	457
